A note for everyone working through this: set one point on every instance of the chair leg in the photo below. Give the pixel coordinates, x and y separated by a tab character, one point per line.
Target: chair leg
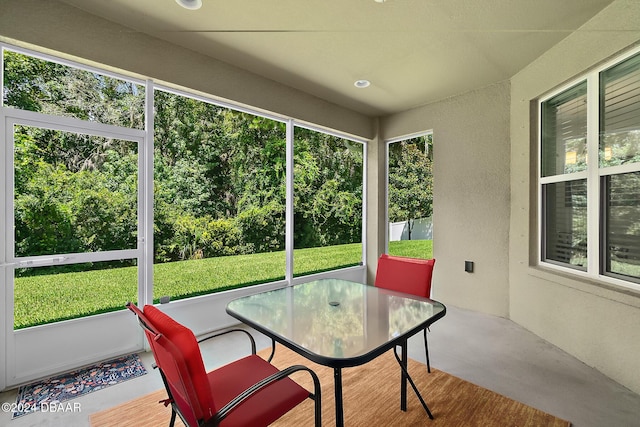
173	418
426	350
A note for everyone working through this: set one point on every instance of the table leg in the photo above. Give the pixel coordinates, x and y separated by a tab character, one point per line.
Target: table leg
403	378
337	380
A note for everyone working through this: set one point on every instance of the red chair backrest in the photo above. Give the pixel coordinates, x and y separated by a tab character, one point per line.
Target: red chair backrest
402	274
177	354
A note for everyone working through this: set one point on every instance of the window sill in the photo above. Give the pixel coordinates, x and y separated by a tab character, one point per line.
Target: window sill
587	284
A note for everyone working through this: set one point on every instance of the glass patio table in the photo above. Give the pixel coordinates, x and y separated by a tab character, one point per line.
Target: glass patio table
339	324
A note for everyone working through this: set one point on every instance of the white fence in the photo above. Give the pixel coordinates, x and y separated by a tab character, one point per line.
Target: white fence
422	230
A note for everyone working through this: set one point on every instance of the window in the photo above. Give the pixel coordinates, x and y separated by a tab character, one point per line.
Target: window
219	192
410	197
73	161
75	219
114	190
590	209
57	89
564	159
80	170
328	182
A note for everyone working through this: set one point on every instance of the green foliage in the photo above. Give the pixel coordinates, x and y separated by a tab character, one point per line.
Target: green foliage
216	166
219	174
262	228
25	81
105	219
203	237
219	187
328	174
410	183
58	210
38	85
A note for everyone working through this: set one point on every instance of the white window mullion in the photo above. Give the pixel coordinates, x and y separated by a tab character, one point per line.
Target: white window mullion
364	202
593	182
288	244
563	178
9	198
540	216
75	258
145	202
387	231
320	129
6	188
6	272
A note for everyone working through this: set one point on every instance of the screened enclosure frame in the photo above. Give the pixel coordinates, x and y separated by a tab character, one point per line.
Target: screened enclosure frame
146	168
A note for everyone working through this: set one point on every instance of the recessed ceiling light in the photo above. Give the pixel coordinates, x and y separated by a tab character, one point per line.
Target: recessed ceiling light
192	4
361	84
380	1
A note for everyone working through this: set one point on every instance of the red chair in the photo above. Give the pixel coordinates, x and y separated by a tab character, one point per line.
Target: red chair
246	392
408	275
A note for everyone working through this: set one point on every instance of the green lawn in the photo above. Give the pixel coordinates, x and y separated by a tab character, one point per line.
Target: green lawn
48	298
412	248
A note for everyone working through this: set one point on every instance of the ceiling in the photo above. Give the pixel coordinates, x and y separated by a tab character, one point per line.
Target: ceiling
412	51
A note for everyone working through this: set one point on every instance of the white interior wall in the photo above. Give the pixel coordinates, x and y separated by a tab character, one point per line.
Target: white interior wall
375	204
595	323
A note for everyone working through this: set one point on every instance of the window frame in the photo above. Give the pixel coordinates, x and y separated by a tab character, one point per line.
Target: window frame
146	178
595	176
289	235
387	147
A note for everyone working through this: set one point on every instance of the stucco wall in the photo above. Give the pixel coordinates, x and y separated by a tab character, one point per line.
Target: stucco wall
375	205
597	324
471	194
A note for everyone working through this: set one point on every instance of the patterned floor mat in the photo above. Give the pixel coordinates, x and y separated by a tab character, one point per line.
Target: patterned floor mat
56	390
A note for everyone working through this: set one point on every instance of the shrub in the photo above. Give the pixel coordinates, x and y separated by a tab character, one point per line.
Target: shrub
262	228
204	237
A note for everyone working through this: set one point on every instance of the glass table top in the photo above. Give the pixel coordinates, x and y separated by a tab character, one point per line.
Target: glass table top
333	320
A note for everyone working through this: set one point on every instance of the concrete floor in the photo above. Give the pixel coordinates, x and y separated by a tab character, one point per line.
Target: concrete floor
492	352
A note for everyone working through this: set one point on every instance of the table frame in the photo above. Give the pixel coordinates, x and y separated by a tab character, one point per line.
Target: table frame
337	363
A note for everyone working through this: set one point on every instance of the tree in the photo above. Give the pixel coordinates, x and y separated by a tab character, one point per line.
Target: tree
327	189
410	184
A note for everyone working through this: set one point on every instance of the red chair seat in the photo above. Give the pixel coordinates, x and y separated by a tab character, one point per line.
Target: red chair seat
259	410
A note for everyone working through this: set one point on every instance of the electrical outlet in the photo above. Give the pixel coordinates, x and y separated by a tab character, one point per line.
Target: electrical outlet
468	266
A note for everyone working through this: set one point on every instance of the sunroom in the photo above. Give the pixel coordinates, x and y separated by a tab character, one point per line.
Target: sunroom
504	101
